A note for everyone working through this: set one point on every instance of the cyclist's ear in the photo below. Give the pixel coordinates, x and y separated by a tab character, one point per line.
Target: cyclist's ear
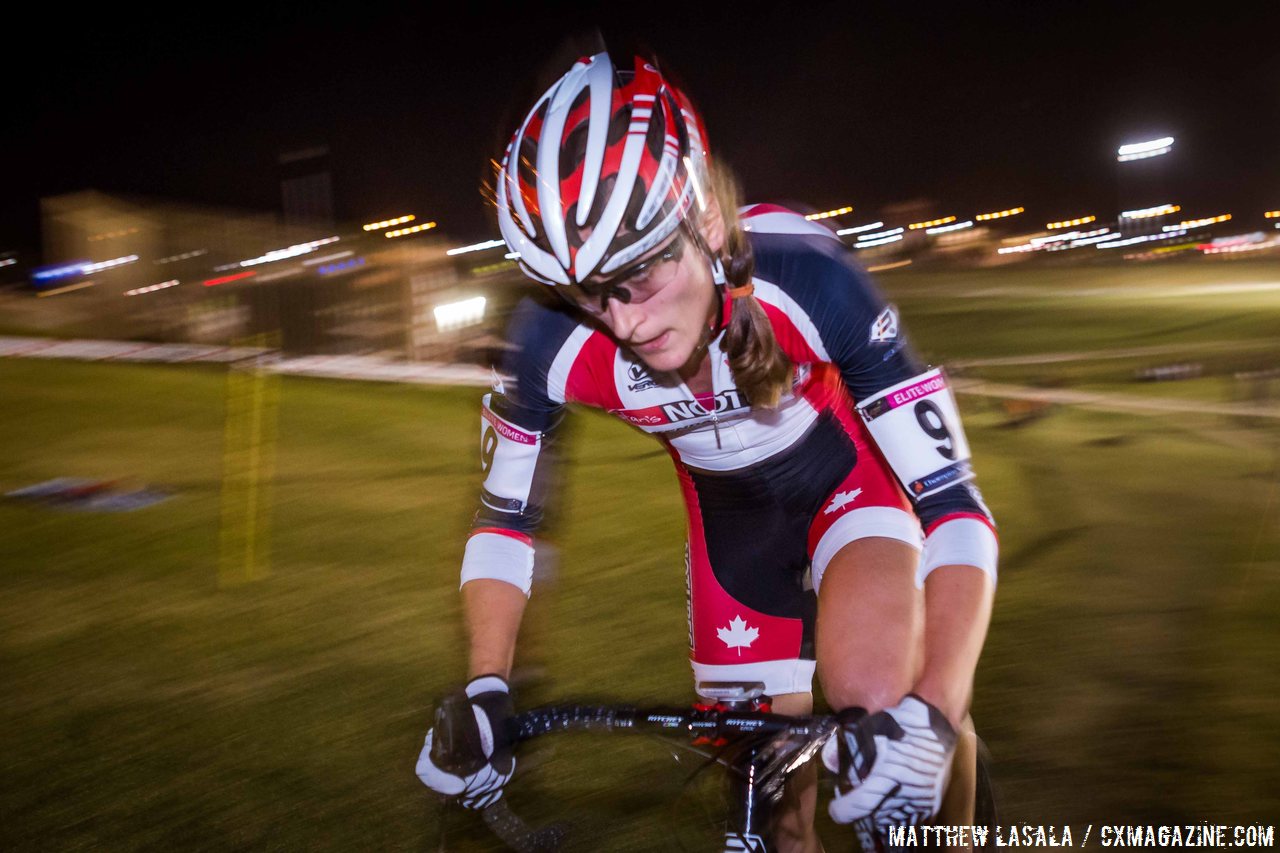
711	224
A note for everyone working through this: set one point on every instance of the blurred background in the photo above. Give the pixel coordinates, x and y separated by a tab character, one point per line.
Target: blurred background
249	296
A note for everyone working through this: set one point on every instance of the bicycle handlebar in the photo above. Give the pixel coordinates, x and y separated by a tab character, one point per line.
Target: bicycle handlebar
713	723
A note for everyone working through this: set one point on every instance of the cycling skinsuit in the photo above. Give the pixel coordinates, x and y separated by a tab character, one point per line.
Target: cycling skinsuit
771	495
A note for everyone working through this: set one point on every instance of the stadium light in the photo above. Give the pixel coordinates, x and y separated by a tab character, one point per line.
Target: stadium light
1142	150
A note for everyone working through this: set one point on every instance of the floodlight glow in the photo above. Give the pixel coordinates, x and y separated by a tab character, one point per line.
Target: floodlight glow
1144	213
858	229
476	247
942	229
458	315
1141	150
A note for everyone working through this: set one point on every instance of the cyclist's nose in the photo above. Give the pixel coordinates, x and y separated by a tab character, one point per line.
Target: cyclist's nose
622	317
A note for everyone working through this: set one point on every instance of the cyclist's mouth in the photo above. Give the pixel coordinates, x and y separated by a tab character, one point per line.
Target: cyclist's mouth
654	344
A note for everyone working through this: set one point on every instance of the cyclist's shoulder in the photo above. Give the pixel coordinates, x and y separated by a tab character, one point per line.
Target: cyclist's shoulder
540	325
805	261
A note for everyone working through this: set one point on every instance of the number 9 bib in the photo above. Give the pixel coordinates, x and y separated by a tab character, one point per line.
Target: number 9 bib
916	425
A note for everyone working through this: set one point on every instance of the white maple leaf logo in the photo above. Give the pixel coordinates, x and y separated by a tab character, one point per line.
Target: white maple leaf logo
842	499
738	634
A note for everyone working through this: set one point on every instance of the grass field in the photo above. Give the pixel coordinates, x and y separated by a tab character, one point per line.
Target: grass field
1132	672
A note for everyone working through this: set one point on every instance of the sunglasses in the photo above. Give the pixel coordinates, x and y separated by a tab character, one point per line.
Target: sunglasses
634	285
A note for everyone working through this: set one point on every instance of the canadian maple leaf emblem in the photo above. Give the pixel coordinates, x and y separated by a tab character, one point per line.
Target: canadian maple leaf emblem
737	635
841	500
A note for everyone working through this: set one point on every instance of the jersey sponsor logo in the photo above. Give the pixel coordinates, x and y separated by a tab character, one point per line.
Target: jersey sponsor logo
506	430
944	477
841	500
885	327
687	410
638	378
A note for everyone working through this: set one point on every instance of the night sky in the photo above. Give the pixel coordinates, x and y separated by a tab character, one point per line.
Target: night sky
975	106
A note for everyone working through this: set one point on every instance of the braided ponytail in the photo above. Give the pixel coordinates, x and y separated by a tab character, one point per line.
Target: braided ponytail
760	367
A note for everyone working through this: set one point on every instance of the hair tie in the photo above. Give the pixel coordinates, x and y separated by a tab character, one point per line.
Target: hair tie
741	292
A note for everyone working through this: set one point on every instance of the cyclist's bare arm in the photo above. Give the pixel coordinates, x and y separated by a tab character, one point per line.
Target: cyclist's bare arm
493	610
958	603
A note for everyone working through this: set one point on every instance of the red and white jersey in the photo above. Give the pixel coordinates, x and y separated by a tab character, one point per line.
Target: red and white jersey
846	343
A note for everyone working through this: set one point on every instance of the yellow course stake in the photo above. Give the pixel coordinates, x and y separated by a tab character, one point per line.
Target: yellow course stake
248	467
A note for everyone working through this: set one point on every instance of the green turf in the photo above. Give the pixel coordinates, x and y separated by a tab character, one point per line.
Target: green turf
1132	671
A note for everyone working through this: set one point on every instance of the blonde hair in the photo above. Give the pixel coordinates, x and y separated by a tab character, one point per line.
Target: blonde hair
760	367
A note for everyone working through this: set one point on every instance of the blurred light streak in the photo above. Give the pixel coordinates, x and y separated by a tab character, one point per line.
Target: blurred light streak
1272	214
829	213
1144	238
869	243
66	288
914	226
511	256
8	262
64	271
457	315
858	229
1198	223
1143	213
877	235
341	266
214	282
892	266
414	229
476	247
106	265
1071	223
279	274
942	229
184	256
387	223
124	232
138	291
1142	150
1242	247
310	262
290	252
1000	214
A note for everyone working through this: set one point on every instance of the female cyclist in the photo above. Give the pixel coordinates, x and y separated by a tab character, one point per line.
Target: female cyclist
833	519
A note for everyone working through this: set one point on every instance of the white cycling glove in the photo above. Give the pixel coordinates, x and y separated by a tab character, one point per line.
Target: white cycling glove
895	764
468	752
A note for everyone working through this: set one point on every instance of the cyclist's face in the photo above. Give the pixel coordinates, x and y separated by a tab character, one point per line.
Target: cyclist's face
659	306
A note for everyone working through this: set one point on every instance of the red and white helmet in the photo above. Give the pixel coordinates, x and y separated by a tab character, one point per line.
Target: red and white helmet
619	156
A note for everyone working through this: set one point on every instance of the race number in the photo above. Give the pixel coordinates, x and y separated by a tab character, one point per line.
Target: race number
916	425
508	458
